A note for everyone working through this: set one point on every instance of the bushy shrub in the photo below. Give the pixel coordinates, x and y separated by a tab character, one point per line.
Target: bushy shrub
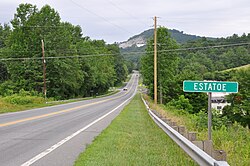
6	88
181	104
201	120
22	100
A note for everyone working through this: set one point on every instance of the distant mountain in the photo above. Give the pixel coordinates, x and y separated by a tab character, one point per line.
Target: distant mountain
137	40
141	39
133	48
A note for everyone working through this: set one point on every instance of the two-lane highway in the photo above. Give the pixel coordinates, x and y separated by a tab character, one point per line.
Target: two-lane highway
56	135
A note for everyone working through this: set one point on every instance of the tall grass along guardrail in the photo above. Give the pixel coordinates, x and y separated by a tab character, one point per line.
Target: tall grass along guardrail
192	150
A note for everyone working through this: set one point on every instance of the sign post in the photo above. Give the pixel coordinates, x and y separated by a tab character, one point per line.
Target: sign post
209	87
209	114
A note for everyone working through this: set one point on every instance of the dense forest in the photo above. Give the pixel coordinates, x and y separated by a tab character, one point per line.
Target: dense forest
76	66
202	59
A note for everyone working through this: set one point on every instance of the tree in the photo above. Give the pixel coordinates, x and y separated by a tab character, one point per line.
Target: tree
240	106
25	74
5	31
30	27
75	65
197	100
3	72
99	69
120	66
167	65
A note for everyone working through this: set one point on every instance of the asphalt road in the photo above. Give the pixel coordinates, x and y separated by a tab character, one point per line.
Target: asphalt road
56	135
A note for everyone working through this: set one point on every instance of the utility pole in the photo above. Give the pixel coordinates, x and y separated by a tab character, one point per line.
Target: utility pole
44	72
155	60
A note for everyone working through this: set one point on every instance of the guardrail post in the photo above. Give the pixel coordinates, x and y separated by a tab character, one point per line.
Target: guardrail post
157	114
192	136
199	144
169	121
174	124
219	155
182	130
166	120
208	147
175	128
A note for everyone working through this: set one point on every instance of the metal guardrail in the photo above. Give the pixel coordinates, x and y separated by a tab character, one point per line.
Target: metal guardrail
198	155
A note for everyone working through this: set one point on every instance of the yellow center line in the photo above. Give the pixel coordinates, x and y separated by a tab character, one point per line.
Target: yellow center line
55	113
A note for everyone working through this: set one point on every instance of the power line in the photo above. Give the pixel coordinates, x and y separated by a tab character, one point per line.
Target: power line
125	11
8	51
206	47
78	51
193	48
57	57
129	53
103	18
60	26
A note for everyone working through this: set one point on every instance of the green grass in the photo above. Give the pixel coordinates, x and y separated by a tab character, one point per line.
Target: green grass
17	103
133	139
10	107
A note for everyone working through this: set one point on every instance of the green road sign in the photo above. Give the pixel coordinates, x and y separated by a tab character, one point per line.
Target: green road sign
210	86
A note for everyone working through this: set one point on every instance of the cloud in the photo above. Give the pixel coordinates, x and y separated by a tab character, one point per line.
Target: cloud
117	20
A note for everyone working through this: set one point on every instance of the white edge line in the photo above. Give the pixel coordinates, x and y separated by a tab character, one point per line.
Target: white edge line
52	148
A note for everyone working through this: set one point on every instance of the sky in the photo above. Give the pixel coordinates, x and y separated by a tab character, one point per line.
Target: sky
118	20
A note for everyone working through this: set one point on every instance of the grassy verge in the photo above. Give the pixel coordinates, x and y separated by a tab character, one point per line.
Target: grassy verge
17	103
9	105
133	139
235	140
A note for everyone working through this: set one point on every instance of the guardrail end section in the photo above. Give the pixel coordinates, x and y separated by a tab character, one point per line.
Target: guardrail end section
221	163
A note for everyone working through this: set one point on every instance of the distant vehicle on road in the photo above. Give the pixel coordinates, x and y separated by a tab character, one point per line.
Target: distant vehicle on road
125	89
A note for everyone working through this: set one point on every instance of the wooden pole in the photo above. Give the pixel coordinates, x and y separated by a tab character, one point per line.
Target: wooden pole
155	60
44	72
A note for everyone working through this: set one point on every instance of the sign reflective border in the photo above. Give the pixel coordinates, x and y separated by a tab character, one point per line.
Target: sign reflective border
210	86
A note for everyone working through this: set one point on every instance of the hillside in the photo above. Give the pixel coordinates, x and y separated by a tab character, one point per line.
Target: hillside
238	68
130	48
141	39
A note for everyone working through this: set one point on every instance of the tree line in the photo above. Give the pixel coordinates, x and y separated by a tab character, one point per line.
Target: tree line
204	63
76	66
